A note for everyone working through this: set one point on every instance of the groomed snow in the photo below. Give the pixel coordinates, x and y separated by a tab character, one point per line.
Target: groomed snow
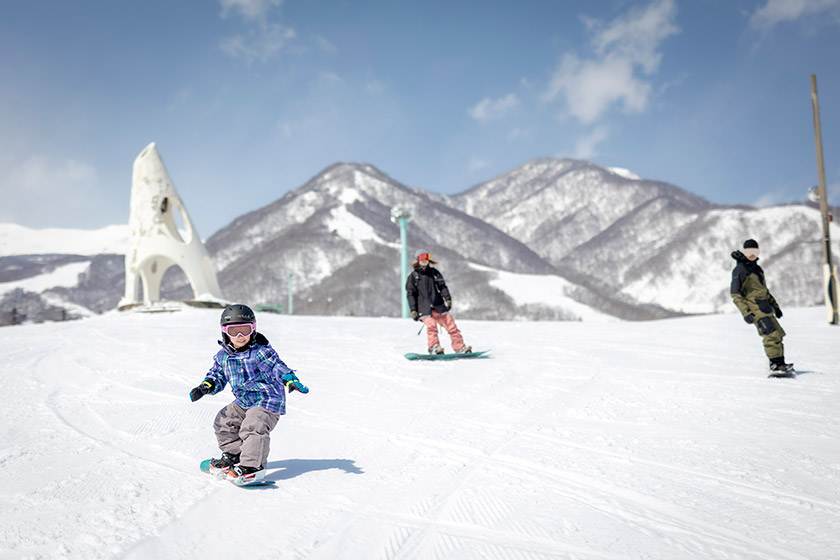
658	440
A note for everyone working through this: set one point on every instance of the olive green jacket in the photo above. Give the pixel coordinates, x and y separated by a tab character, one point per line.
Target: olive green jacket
748	289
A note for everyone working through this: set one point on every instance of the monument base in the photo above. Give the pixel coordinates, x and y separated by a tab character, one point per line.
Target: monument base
170	306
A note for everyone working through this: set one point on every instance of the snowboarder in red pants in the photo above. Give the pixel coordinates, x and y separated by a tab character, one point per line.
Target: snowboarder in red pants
430	302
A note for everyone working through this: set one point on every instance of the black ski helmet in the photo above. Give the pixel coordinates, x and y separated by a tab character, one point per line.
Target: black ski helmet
237	313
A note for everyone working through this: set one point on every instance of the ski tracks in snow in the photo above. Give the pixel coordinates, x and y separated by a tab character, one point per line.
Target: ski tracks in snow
570	441
101	455
557	462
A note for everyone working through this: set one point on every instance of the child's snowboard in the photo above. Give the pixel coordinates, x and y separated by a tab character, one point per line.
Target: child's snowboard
205	467
413	356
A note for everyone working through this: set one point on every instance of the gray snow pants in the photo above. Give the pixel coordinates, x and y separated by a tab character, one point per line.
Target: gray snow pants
245	431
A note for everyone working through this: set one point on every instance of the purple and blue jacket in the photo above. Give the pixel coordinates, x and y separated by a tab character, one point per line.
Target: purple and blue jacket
255	374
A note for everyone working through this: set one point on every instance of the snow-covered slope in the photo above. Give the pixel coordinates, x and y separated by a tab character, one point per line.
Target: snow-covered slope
542	290
63	276
659	440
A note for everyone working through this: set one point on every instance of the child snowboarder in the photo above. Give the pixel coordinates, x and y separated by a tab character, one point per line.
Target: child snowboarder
430	302
757	305
259	380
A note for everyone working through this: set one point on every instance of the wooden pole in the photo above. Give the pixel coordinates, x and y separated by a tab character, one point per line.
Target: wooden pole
829	270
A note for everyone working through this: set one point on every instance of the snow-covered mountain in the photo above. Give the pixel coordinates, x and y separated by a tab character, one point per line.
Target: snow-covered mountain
19	240
648	242
612	242
335	237
59	273
555	206
623	245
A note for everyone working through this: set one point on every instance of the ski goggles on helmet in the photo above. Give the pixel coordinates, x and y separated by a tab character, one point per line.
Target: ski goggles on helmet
241	329
424	257
751	252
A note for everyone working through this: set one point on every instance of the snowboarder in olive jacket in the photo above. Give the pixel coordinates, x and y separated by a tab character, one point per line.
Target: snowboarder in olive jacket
758	306
430	302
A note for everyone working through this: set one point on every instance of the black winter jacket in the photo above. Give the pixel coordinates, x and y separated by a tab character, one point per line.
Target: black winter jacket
426	290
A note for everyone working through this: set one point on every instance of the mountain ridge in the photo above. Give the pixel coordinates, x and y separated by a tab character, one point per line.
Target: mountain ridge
628	247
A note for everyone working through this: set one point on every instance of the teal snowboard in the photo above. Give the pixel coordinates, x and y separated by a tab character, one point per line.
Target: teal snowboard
435	357
205	467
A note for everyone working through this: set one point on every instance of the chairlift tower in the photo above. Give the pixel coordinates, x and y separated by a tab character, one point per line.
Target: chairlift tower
402	215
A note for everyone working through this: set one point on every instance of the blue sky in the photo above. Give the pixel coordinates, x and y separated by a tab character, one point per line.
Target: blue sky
247	99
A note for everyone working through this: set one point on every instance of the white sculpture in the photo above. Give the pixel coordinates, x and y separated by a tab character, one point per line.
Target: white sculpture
155	241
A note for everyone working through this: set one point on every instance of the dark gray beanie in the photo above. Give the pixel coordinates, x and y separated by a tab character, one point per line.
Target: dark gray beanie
750	244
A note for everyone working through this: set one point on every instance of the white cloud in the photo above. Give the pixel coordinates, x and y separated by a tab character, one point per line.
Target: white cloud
264	39
40	188
249	9
260	44
775	12
591	87
488	109
586	146
626	53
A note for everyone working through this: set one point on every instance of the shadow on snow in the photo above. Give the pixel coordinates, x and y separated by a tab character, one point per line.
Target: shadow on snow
290	468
